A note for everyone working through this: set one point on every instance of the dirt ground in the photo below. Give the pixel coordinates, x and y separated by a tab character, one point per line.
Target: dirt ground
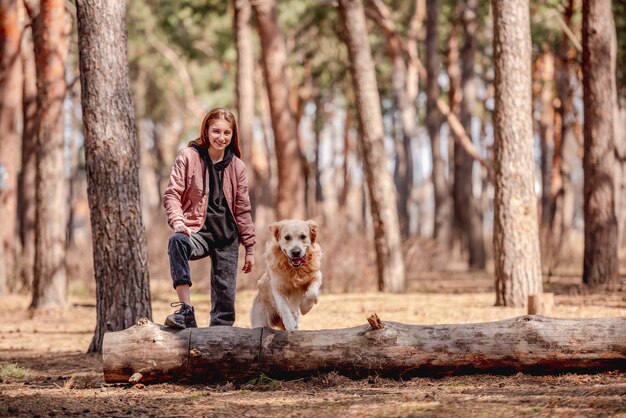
44	370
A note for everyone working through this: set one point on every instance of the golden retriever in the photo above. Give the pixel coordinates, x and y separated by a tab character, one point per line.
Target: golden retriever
293	279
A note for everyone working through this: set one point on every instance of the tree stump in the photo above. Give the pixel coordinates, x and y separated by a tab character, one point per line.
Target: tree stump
531	344
540	304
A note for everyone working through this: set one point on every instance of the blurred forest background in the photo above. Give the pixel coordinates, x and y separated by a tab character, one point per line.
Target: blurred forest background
402	175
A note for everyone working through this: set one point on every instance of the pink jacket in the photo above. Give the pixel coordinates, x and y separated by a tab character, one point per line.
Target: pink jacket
185	204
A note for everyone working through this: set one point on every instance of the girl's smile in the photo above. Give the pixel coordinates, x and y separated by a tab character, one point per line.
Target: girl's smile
220	134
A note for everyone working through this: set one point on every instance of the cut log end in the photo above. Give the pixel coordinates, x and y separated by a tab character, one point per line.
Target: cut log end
375	322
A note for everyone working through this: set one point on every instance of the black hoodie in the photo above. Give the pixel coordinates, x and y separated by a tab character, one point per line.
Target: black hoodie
219	229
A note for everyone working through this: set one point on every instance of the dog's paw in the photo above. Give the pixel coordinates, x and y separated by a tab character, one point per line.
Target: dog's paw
290	325
307	304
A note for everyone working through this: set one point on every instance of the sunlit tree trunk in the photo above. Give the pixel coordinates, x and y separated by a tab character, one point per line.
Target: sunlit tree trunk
345	169
375	161
11	27
471	216
455	96
516	235
599	48
290	188
433	121
561	187
28	172
119	241
404	86
245	85
545	75
51	32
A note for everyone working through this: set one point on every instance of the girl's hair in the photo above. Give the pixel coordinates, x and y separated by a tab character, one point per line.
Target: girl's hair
218	114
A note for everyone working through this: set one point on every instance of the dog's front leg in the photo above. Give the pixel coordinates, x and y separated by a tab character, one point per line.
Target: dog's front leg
289	321
310	297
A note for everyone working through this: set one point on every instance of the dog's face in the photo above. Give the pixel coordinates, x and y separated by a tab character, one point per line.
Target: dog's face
294	238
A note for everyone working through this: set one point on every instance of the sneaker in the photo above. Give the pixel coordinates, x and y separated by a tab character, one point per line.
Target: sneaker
182	318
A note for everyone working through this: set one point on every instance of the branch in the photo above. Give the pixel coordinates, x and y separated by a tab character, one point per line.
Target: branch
191	101
568	32
379	13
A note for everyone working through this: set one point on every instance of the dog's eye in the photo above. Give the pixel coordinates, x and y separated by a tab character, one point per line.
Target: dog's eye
287	237
302	237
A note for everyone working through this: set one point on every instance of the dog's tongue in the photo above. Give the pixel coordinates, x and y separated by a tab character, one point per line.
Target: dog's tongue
298	260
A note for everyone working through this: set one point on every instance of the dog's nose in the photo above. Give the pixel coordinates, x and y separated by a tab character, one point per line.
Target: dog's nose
296	252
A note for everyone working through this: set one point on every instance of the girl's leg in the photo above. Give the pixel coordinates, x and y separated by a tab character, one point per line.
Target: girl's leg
181	249
184	295
223	284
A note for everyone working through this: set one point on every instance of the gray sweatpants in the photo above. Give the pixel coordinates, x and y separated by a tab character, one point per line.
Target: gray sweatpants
182	248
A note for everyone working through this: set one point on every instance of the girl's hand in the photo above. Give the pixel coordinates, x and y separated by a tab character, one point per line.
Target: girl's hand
248	263
183	230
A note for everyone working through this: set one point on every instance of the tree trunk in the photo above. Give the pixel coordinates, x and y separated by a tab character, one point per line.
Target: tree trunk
453	69
263	156
245	84
516	235
290	188
11	28
404	87
51	32
119	242
148	176
562	190
471	216
545	70
532	344
599	46
28	172
442	225
318	126
384	212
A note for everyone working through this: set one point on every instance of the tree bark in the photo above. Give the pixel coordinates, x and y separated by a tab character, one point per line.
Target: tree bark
443	208
28	172
471	216
290	188
245	83
455	96
600	265
119	242
516	235
562	189
532	344
51	30
390	264
545	76
11	28
404	87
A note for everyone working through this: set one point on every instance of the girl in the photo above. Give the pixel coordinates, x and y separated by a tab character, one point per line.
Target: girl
208	207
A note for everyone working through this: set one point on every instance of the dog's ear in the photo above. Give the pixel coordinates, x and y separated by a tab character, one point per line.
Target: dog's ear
312	230
275	230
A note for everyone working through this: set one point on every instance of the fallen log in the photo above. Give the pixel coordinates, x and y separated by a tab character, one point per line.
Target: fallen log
148	352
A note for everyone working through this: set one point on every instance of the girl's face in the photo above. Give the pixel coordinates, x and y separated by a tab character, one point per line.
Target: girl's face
220	134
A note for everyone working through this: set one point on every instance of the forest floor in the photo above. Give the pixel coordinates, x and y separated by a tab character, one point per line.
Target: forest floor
44	370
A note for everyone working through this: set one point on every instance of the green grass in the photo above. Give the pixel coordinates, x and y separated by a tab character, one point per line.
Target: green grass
262	382
533	410
12	370
78	289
